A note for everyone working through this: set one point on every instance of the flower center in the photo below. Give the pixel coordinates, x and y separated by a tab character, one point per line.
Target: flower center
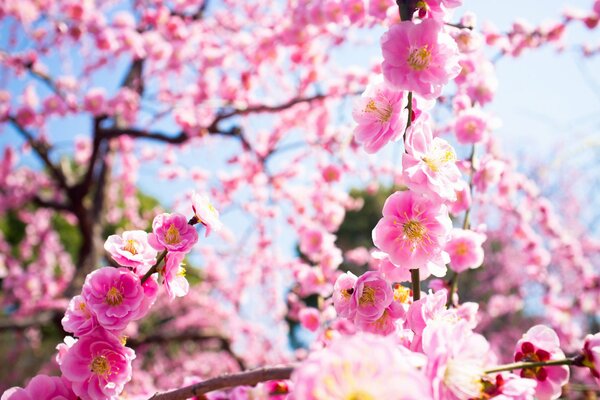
462	249
100	366
347	293
414	231
419	58
367	297
359	395
401	294
181	272
383	113
130	246
172	235
439	156
114	297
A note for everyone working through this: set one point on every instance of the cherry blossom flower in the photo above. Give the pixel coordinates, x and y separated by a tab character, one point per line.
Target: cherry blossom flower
115	296
42	387
173	233
206	213
131	250
98	366
429	164
471	126
465	249
591	353
380	116
371	296
413	232
361	367
78	319
343	289
419	57
541	343
173	275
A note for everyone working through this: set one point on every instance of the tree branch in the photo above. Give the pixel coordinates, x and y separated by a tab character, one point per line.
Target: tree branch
249	378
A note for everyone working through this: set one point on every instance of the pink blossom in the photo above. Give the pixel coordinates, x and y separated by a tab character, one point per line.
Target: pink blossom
173	233
471	126
465	249
342	295
98	366
463	198
206	213
508	386
392	273
436	8
456	360
310	318
372	294
591	353
315	242
78	319
380	116
42	387
173	274
429	164
361	367
541	343
131	250
419	57
413	232
115	296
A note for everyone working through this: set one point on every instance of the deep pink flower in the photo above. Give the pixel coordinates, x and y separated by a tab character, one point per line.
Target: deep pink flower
172	232
42	387
310	318
362	366
465	249
541	343
131	250
380	116
419	57
508	386
115	296
429	164
206	213
78	319
591	353
173	274
98	366
372	295
471	126
413	232
342	295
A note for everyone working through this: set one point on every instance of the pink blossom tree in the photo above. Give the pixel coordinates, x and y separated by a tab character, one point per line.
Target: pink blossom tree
235	117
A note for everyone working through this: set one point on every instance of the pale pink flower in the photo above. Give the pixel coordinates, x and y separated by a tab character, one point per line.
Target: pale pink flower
413	232
173	233
465	249
173	275
463	198
362	366
429	164
488	173
115	296
131	250
98	366
591	353
78	319
436	8
372	295
541	343
471	126
315	242
42	387
456	360
392	273
342	295
419	57
206	213
380	116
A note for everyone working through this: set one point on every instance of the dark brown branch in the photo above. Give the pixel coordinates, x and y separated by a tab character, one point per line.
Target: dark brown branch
14	324
248	378
37	200
42	150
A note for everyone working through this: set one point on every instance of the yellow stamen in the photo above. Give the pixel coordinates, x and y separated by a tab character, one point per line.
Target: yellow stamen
130	246
462	249
172	235
382	112
419	59
367	297
414	231
100	366
114	297
359	395
401	294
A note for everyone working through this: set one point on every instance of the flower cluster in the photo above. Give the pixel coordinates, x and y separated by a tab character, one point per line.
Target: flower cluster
98	364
